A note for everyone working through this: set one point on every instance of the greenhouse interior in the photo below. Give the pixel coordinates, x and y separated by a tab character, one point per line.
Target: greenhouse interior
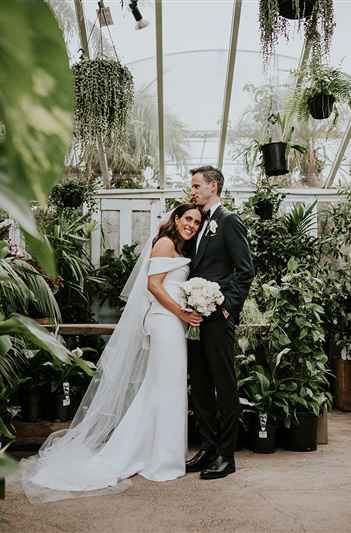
175	259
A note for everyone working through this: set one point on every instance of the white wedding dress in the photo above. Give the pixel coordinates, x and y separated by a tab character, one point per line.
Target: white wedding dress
151	438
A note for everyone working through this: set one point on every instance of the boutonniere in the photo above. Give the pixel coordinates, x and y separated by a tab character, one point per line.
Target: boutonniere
212	228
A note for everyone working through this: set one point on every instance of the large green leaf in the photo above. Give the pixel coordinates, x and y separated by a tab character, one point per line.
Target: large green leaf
5	431
42	250
7	464
31	330
35	107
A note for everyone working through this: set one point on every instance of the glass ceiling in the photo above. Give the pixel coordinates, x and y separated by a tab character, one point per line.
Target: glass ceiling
195	51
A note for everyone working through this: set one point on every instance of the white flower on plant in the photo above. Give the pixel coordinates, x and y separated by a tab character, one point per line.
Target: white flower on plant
77	352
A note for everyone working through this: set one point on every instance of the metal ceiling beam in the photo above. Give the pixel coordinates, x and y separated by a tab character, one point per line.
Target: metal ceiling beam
160	97
339	157
85	46
229	80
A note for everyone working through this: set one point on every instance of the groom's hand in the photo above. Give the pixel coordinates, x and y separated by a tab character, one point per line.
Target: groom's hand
190	317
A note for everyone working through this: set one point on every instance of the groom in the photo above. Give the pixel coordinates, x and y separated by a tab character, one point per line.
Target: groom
221	254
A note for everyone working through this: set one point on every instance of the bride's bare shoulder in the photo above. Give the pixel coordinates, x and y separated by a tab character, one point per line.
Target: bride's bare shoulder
164	247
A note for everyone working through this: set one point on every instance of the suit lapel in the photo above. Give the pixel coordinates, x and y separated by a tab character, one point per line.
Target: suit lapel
205	238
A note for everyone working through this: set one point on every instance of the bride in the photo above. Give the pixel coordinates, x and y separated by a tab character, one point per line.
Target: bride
133	417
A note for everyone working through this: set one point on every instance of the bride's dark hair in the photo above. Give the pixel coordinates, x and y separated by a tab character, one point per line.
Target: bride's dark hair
169	228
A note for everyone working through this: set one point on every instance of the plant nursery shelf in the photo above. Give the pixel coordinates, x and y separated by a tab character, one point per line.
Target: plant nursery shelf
84	329
30	435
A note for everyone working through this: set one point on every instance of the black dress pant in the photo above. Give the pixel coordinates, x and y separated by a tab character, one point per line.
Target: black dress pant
213	384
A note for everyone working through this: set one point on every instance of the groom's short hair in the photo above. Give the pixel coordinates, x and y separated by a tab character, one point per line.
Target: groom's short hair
210	174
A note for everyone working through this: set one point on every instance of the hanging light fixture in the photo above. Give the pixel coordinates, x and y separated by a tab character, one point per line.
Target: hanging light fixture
140	21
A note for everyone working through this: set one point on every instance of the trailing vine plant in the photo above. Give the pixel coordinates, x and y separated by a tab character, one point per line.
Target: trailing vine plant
103	98
318	25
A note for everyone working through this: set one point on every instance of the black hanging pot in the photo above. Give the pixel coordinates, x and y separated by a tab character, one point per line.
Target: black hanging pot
264	209
72	198
321	105
287	9
274	158
302	438
262	436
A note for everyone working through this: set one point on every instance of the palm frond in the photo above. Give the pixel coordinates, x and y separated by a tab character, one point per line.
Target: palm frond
301	220
44	299
12	362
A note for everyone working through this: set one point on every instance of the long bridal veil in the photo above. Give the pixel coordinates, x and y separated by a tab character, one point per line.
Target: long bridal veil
70	461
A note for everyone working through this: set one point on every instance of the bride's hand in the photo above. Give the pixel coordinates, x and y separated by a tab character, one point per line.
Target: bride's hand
190	317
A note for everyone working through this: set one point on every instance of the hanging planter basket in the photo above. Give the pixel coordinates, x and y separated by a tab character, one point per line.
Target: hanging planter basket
287	9
103	98
274	159
321	105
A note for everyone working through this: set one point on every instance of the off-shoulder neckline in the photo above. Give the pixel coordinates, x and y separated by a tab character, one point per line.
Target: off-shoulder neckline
171	258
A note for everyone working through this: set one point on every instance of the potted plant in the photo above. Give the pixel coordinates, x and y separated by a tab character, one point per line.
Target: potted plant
322	89
337	298
61	376
103	98
273	147
266	201
72	192
297	337
34	386
318	23
259	396
264	389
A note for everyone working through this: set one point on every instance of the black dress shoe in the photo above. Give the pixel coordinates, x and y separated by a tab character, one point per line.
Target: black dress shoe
220	467
202	459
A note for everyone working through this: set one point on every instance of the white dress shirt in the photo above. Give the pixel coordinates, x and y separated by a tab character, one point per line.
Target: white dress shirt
203	229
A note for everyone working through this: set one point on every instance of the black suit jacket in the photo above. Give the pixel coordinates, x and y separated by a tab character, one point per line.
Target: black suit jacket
224	256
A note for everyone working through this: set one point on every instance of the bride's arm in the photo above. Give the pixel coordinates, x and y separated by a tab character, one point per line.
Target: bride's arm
165	248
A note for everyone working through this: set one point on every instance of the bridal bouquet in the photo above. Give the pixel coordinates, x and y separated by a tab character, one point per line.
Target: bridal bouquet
201	296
